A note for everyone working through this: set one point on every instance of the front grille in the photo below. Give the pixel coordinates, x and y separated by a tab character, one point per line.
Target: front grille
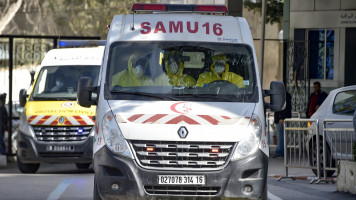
181	155
62	133
182	190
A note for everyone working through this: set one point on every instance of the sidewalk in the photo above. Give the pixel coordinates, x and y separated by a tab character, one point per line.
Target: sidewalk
277	169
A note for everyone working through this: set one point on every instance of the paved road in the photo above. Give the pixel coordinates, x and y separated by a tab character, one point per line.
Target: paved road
53	182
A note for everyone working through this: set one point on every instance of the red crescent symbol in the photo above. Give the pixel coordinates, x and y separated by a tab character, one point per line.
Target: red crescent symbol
173	107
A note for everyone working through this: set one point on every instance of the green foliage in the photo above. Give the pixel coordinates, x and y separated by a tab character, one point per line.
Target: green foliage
86	17
274	9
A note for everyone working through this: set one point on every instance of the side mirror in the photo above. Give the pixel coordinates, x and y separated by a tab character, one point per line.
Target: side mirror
84	92
277	95
22	97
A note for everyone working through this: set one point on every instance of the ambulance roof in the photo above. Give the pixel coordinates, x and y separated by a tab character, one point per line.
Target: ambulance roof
74	56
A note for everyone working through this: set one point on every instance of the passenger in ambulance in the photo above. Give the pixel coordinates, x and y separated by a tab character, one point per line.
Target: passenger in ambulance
58	84
174	76
133	76
219	70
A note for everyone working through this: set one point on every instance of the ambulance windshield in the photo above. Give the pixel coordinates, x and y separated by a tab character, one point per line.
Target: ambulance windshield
181	71
61	82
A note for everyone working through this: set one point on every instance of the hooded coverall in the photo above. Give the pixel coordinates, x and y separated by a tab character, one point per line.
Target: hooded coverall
208	77
177	79
128	77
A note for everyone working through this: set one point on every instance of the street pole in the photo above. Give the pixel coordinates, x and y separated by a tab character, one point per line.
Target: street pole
263	38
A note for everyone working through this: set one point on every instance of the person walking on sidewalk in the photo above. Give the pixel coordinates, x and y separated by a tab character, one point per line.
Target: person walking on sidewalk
279	121
3	123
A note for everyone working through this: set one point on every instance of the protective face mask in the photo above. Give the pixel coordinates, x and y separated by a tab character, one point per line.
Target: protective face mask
59	83
138	70
174	67
219	69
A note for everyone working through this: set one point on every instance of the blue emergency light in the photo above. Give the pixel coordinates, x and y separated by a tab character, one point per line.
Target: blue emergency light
80	130
81	43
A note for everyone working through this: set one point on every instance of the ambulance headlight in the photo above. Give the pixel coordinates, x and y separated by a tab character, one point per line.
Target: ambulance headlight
25	128
250	141
114	139
91	133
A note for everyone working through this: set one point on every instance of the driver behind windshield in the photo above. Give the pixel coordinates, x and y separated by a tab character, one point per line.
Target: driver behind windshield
220	71
133	76
174	66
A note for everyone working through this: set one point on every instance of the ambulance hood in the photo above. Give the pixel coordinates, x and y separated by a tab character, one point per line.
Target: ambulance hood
161	120
59	113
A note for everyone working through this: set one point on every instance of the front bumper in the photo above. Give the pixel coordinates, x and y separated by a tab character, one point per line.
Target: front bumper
33	151
135	182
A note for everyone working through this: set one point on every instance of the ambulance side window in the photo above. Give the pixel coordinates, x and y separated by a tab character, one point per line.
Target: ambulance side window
42	82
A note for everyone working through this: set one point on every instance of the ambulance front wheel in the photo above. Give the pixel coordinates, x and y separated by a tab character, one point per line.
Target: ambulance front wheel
27	168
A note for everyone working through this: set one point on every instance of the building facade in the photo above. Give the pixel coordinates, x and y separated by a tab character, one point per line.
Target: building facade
329	26
321	36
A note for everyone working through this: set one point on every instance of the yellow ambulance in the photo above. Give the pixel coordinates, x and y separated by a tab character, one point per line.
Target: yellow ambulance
53	127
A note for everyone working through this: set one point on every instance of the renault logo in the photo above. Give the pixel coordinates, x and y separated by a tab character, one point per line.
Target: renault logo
182	132
61	120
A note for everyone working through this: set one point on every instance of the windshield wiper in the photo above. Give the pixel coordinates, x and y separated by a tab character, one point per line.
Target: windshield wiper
147	95
65	99
54	99
205	96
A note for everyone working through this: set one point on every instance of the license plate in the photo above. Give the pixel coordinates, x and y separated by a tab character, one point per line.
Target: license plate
60	148
181	179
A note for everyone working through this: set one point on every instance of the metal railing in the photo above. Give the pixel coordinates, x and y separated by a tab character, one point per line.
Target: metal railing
338	139
307	146
298	145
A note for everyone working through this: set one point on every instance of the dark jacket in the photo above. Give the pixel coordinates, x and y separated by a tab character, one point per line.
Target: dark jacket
3	119
322	96
287	112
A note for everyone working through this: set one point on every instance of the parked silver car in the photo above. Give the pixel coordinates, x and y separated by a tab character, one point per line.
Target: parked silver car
339	105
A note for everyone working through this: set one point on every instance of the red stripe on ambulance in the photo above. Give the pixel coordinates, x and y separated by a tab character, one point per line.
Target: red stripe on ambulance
225	117
154	118
31	118
53	120
80	120
209	119
43	120
134	117
182	118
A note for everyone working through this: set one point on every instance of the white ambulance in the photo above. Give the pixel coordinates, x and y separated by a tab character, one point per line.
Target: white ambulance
180	108
53	127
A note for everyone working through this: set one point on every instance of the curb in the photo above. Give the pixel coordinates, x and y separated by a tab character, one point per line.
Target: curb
302	177
292	177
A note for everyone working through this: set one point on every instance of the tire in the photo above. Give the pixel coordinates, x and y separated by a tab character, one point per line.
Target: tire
96	195
313	158
27	168
82	165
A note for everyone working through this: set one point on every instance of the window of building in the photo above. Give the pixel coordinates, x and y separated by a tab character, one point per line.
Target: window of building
321	54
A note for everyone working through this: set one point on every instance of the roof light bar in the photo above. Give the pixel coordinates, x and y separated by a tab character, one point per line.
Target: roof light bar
142	7
210	8
80	43
148	7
